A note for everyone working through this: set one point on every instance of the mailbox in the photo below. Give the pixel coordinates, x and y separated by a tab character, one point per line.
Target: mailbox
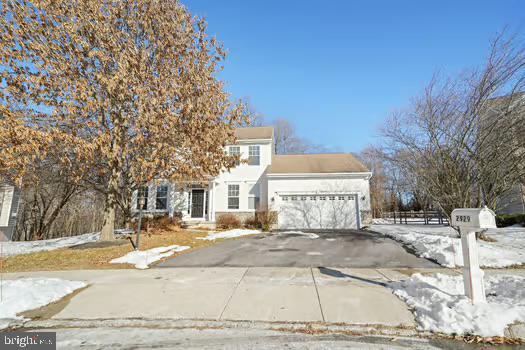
473	218
469	221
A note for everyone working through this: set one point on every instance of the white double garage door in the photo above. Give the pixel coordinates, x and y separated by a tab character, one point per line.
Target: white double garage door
318	211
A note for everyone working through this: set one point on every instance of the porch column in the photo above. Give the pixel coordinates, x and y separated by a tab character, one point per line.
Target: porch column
211	199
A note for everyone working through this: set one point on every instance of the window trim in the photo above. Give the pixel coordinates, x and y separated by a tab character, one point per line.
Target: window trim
238	152
230	207
165	197
145	194
252	155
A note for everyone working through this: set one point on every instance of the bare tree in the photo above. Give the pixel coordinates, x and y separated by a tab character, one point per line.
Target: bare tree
461	142
286	139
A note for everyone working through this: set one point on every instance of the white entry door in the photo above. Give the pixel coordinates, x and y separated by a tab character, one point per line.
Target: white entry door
323	212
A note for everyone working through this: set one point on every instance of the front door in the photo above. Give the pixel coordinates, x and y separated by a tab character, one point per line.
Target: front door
197	203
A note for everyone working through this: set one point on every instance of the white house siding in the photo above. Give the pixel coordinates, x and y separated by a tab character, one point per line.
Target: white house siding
347	213
513	202
177	199
245	176
9	202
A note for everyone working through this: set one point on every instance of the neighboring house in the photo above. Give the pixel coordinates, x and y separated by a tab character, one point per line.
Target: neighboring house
513	202
9	198
316	191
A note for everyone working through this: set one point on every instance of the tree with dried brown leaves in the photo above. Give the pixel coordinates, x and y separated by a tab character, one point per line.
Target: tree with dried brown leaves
121	92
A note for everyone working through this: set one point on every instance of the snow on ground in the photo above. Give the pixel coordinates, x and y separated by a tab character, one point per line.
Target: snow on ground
238	232
143	258
27	247
31	293
442	244
439	304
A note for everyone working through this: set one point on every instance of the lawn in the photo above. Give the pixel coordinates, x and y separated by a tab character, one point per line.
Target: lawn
97	256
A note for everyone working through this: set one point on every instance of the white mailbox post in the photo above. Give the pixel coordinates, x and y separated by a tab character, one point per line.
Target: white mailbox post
469	222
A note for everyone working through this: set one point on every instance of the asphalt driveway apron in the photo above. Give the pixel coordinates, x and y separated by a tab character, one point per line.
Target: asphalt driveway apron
351	248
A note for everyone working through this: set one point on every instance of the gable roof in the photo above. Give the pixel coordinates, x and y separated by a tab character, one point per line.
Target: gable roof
254	133
316	164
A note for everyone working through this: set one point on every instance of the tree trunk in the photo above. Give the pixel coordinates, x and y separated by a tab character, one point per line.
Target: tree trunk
107	233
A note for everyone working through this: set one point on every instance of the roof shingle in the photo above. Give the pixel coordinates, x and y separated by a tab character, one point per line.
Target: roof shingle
254	133
316	163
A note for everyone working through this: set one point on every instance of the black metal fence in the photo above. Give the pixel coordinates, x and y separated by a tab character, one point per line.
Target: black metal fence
432	217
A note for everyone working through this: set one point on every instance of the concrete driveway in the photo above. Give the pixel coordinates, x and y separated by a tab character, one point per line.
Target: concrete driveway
337	249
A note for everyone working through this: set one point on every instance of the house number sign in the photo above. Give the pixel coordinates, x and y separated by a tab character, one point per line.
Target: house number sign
462	218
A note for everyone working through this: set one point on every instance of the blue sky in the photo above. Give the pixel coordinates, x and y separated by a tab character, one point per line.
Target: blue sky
338	68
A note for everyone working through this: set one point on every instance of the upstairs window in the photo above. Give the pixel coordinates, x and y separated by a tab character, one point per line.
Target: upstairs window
235	151
142	194
162	198
233	196
254	155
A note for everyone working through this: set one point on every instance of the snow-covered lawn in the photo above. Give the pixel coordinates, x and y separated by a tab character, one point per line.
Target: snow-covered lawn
31	293
238	232
143	258
442	244
439	304
27	247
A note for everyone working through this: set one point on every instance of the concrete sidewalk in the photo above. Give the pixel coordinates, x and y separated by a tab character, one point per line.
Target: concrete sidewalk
353	296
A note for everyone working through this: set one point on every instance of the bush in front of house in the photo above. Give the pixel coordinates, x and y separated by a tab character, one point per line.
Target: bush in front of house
227	221
158	223
251	222
510	219
266	219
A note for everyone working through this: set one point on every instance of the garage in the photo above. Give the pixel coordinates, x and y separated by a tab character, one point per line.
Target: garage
319	191
318	211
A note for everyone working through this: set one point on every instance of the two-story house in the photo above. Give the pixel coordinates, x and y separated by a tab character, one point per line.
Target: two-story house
316	191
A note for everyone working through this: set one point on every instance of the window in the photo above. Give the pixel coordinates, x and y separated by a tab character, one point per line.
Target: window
233	196
341	198
332	198
285	198
142	194
235	151
162	198
294	198
303	198
350	198
254	156
322	198
312	198
253	197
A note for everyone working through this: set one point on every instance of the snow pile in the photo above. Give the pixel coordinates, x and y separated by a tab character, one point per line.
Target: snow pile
310	235
229	234
27	247
439	304
31	293
442	244
143	258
